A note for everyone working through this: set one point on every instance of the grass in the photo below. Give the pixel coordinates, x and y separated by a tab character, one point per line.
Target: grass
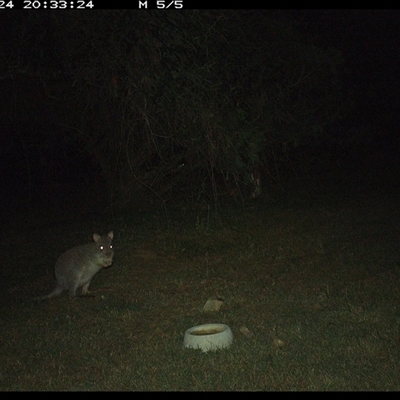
314	275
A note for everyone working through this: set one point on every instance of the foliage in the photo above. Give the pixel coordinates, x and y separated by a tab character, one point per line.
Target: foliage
219	91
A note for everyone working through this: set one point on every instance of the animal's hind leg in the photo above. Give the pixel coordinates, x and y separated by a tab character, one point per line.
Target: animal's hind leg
85	290
72	289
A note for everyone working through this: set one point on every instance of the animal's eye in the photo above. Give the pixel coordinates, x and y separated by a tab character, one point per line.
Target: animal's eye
101	248
111	246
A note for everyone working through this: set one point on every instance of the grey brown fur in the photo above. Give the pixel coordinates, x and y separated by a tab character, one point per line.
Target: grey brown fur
76	267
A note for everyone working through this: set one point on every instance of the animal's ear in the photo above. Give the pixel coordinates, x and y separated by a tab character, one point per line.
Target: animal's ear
96	237
110	235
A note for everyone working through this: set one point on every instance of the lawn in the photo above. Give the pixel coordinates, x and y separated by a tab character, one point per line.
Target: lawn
312	272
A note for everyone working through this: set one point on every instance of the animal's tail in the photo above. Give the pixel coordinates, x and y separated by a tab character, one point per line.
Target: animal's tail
57	290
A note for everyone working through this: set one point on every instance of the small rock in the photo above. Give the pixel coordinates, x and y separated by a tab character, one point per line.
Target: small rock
246	332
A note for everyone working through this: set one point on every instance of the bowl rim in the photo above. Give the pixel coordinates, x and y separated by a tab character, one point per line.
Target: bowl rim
208	342
223	328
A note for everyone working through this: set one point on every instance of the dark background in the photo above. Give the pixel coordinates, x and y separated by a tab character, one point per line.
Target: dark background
47	166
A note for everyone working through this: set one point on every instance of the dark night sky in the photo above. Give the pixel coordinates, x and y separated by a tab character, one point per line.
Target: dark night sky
370	42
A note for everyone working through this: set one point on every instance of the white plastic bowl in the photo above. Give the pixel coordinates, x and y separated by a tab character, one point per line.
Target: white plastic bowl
208	337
